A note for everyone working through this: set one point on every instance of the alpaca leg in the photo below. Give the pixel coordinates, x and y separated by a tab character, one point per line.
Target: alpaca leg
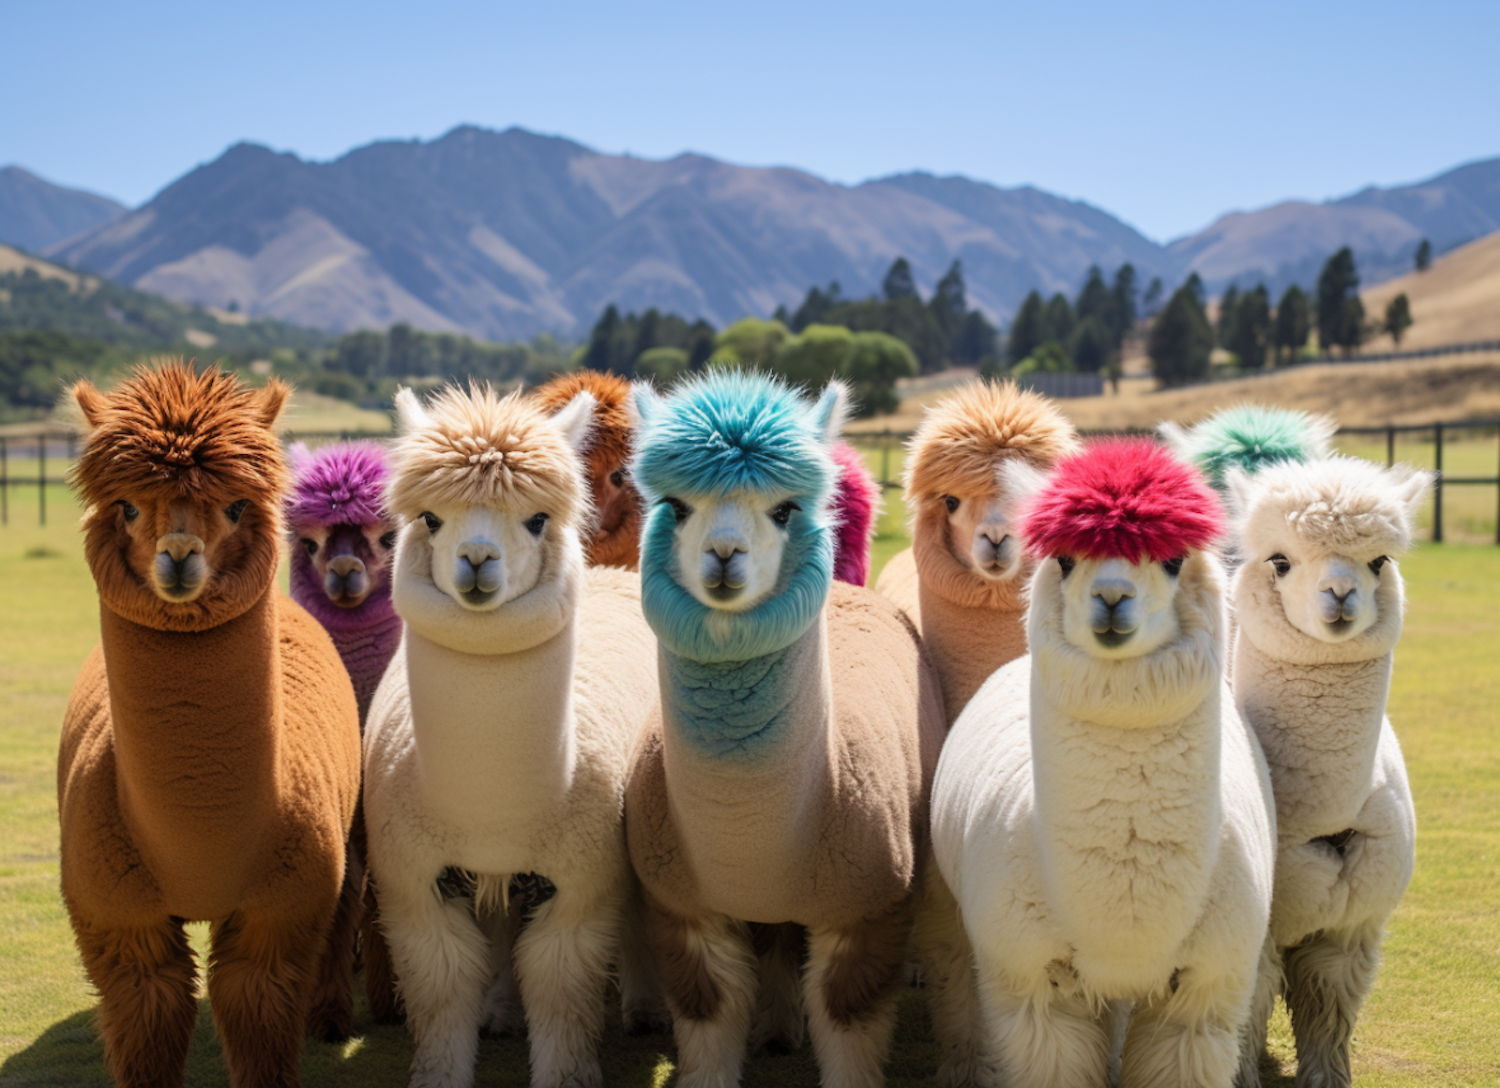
261	972
1189	1039
641	999
330	1017
1268	984
947	964
380	972
708	974
1327	980
778	1009
1117	1017
503	1013
1049	1039
563	957
443	965
854	976
147	1002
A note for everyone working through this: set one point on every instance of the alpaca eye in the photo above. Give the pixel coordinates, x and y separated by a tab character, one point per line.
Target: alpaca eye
950	502
1066	563
536	523
236	509
1281	563
130	512
388	540
783	513
1174	566
681	509
310	544
1378	562
434	523
617	477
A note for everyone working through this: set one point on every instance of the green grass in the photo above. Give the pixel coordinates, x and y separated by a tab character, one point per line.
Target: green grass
1431	1021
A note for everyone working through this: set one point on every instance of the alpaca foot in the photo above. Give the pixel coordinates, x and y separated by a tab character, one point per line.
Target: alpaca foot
647	1018
331	1023
503	1020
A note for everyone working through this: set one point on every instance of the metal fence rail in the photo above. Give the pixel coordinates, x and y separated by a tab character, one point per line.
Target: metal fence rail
26	461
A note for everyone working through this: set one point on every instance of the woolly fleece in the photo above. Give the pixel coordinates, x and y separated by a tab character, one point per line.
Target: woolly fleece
1249	437
856	509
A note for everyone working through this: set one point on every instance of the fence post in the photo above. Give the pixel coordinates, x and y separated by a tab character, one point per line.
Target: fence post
1390	445
1437	485
41	477
885	456
4	481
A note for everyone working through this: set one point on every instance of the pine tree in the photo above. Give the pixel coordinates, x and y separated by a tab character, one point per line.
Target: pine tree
1424	255
600	353
1059	320
1250	332
1398	317
1341	314
1181	338
1028	330
1228	303
1095	300
898	282
1293	322
948	303
1151	300
1092	345
1125	312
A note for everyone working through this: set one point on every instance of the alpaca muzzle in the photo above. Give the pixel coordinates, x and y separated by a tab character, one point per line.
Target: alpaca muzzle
995	554
478	573
179	571
724	576
346	582
1114	616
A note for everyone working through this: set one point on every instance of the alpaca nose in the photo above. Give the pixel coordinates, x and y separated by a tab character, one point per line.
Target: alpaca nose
720	569
180	545
1111	593
478	551
346	565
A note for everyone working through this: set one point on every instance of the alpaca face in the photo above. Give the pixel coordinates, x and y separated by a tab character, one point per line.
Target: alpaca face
614	498
980	536
1116	609
176	548
351	561
729	550
1328	597
482	556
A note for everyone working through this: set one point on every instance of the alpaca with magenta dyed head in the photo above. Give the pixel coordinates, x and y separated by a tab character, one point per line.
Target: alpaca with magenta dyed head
1102	817
779	792
209	762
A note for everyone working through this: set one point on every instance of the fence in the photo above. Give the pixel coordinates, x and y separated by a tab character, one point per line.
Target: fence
1470	347
44	451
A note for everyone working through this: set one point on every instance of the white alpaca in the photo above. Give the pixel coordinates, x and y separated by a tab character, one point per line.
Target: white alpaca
1319	605
498	742
1101	814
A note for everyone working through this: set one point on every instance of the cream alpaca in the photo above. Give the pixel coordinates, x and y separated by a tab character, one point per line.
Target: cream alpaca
1319	605
497	744
1102	816
961	580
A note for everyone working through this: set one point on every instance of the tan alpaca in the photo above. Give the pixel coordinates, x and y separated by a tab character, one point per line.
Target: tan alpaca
961	580
209	764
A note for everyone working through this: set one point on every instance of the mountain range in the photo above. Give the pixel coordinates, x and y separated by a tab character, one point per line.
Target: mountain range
35	214
508	234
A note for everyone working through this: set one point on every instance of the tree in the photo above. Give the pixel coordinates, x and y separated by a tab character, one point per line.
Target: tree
600	353
815	306
975	341
409	353
1028	330
872	367
1092	345
1181	338
813	357
1151	300
1095	300
1049	358
1398	317
700	347
1293	321
1194	284
751	341
647	336
1250	331
948	304
1125	312
1424	255
1228	304
1059	321
898	282
1341	315
361	354
662	365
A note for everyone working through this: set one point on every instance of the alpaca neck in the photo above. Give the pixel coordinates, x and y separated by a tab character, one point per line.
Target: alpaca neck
197	718
365	637
967	643
746	752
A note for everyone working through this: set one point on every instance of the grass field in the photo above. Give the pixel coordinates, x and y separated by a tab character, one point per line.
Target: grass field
1431	1022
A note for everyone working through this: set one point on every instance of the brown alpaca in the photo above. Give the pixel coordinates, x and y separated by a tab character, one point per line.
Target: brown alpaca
961	580
210	760
616	539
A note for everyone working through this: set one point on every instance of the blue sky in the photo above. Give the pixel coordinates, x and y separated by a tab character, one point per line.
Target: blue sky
1164	114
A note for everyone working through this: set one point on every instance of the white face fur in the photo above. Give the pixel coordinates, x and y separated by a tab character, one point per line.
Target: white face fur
1325	596
1114	609
729	550
981	538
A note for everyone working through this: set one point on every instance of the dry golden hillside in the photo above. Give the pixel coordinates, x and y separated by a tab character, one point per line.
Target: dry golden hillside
1455	301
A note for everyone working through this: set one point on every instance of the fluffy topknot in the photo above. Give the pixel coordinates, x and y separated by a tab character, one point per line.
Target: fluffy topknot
183	435
475	448
609	440
955	448
342	484
1250	437
1122	498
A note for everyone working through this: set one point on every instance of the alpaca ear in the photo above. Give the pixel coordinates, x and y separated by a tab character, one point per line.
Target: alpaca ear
89	400
1239	493
1412	486
1019	480
832	410
410	415
576	420
643	406
271	401
1320	432
299	456
1173	437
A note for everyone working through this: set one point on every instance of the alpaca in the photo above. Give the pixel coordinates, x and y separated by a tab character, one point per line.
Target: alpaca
1319	602
209	762
1101	813
780	785
498	743
341	545
617	501
961	580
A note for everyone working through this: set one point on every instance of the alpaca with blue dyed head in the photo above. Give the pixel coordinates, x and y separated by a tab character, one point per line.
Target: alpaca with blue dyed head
779	792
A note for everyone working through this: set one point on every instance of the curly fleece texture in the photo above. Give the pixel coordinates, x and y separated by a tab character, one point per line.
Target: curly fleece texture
342	484
856	504
1250	437
1122	499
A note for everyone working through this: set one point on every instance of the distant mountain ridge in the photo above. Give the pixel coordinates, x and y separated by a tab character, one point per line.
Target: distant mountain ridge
507	234
35	213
